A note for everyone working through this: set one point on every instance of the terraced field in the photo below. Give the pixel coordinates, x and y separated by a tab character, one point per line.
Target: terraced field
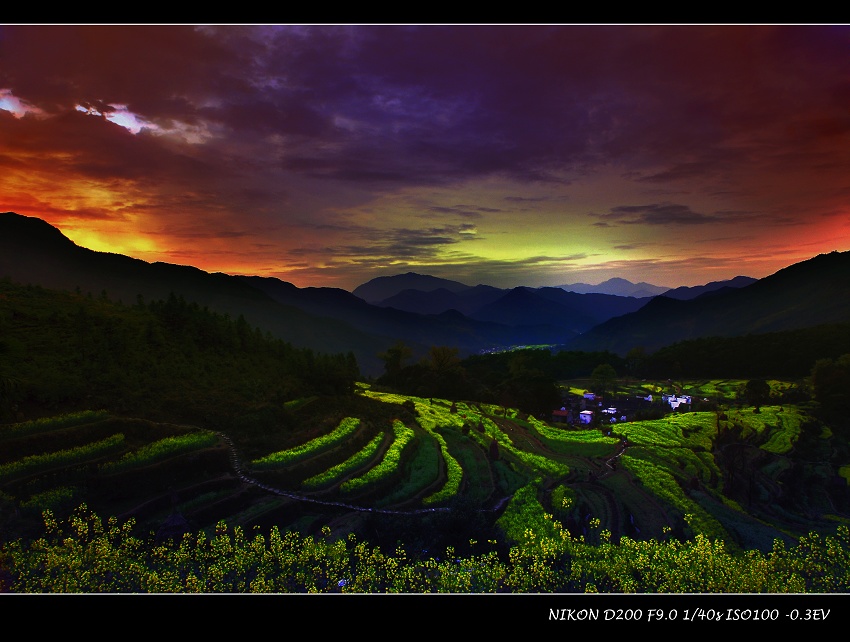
430	473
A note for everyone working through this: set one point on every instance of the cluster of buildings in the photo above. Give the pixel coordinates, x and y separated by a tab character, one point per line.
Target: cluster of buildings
583	410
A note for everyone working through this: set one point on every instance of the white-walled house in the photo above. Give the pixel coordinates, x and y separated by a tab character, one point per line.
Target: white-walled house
675	401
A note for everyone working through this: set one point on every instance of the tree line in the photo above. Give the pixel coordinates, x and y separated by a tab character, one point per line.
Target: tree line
527	378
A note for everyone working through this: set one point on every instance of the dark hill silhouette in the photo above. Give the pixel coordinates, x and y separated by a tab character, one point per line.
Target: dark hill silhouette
383	287
32	251
685	292
442	299
520	306
524	305
596	306
806	294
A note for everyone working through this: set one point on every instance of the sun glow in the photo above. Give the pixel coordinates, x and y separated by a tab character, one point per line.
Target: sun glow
112	241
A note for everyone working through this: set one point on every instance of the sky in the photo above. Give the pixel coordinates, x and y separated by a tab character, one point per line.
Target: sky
507	155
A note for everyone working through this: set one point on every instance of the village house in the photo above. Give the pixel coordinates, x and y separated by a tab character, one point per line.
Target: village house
564	415
675	401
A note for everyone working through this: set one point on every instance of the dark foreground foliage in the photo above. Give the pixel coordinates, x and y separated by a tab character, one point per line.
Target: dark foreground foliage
87	555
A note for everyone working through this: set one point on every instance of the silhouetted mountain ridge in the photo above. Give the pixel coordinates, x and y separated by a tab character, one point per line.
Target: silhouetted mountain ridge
383	287
806	294
610	298
685	292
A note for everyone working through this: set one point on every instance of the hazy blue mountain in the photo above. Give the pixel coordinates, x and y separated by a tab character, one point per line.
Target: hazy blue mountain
594	304
522	306
616	286
435	295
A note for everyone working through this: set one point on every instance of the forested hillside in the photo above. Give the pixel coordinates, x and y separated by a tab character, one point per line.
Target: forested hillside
63	351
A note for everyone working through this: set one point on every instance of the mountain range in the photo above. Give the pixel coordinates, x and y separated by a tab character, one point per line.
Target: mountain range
425	294
424	311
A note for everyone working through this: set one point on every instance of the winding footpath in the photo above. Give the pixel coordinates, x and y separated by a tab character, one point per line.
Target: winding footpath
237	469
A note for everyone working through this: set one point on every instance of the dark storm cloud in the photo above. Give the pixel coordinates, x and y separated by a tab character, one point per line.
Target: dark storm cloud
423	243
201	233
411	242
464	211
156	70
435	104
95	148
629	246
683	171
656	214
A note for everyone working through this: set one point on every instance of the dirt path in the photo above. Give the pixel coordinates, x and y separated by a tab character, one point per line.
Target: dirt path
237	470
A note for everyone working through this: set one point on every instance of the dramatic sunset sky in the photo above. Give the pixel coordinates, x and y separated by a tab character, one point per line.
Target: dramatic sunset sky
327	155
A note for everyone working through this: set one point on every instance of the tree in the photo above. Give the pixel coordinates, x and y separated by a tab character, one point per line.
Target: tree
602	377
447	377
831	384
444	360
394	359
8	390
635	360
756	392
8	383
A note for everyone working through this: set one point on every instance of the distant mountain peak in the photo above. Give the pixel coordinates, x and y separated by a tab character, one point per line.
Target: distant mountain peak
617	286
384	287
